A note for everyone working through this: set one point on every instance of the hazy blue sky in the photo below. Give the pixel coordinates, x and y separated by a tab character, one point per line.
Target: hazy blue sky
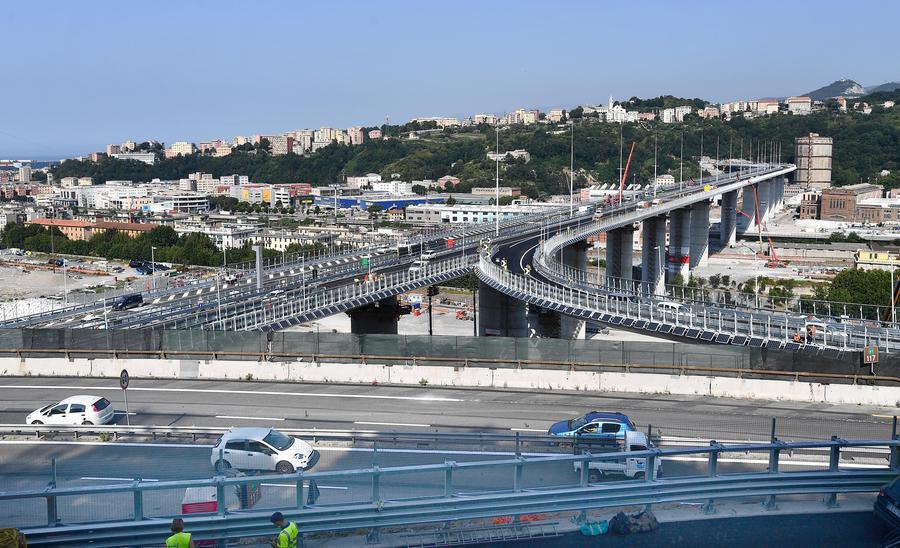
80	74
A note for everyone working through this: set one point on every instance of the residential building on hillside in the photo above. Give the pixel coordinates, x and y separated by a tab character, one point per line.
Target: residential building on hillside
146	157
799	105
509	156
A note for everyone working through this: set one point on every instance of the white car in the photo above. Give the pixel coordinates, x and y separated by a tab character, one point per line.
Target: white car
260	449
74	410
427	255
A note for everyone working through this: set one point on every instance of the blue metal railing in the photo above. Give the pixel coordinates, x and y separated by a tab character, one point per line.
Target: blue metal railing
446	502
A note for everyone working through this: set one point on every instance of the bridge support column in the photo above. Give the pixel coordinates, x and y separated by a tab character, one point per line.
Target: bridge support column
747	222
500	315
376	319
699	234
679	257
727	228
620	258
653	256
574	256
764	197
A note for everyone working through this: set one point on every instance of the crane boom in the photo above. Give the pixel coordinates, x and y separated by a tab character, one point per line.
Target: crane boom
625	173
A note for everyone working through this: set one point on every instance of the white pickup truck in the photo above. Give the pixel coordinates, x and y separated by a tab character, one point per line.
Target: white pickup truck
631	467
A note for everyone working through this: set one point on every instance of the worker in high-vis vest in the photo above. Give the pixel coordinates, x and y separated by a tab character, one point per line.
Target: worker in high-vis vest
289	536
179	538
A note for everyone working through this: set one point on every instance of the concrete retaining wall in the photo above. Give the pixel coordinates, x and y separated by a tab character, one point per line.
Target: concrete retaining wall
403	374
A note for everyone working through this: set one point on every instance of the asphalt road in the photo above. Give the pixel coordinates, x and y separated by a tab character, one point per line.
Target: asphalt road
25	464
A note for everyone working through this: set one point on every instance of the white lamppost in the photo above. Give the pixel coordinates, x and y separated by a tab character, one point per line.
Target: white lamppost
152	268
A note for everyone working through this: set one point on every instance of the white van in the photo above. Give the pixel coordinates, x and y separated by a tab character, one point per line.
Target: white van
632	467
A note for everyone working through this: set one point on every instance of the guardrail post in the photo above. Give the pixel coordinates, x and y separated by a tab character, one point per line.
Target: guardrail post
138	500
220	495
52	514
376	485
448	477
834	461
774	453
712	469
517	481
299	490
585	470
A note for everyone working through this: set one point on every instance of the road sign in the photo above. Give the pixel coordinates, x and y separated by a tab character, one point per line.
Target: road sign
124	379
870	355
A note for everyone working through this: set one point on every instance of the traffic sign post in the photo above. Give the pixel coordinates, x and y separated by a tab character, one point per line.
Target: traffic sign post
870	357
124	379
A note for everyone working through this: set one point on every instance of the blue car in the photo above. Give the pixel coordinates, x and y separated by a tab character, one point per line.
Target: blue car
594	425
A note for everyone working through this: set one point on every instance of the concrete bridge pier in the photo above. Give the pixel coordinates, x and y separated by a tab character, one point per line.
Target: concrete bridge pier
699	254
679	256
764	197
500	315
574	256
727	225
653	256
378	318
620	258
747	222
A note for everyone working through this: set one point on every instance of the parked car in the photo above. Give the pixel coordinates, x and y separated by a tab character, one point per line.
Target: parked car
74	410
887	505
128	301
261	449
596	424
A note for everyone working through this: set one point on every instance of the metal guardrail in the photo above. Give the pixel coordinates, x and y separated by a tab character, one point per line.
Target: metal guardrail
678	369
577	494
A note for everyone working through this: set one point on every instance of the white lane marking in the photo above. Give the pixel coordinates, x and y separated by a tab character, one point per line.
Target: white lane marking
248	418
123	413
293	486
100	478
364	423
528	430
251	392
522	258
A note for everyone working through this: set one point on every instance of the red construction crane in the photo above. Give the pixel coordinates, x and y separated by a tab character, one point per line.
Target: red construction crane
625	173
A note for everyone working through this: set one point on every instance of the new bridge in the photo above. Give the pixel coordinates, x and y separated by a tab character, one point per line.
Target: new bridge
534	280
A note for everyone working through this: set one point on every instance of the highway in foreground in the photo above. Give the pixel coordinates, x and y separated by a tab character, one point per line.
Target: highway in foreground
25	463
404	409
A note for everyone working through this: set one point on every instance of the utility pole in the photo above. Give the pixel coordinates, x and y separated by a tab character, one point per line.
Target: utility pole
497	182
572	173
717	159
655	148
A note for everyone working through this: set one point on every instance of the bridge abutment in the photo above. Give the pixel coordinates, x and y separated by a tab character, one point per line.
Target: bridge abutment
379	318
500	315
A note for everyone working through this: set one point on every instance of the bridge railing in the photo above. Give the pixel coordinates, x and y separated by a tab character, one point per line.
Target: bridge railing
602	306
400	496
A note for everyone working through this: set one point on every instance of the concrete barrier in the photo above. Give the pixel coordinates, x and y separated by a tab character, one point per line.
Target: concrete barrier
478	377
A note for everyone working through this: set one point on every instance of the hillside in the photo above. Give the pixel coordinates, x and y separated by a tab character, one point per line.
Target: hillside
844	86
890	86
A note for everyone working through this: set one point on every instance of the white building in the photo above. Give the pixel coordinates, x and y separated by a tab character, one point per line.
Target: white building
461	214
490	119
146	157
224	235
799	105
518	154
363	181
234	180
25	174
392	187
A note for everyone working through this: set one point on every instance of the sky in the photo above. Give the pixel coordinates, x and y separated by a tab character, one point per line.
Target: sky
80	75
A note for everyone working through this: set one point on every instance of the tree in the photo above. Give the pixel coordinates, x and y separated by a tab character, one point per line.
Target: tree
450	200
374	209
576	113
855	285
420	190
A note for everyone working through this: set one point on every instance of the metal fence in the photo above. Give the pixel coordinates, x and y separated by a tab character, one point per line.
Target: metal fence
137	512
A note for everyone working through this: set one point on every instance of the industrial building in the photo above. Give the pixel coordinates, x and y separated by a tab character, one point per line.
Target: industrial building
813	159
